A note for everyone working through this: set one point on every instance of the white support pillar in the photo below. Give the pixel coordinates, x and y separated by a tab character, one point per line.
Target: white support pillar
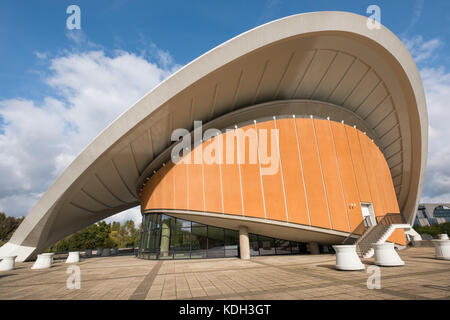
43	261
346	258
442	249
74	257
386	256
244	244
8	263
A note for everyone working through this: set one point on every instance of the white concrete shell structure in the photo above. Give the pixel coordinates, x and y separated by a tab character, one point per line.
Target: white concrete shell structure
328	63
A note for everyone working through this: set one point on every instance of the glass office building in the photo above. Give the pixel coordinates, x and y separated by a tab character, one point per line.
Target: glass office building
166	237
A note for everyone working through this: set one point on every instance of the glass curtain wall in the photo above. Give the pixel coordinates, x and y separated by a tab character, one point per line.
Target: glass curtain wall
165	237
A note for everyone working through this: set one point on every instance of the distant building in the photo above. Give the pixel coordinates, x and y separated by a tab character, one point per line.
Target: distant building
429	214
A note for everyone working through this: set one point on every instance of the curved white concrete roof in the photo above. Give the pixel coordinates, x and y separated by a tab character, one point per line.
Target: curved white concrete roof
329	57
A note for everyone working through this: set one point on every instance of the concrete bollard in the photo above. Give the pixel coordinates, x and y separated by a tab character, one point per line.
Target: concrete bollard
74	257
443	236
346	258
43	261
88	253
8	263
442	249
106	252
386	256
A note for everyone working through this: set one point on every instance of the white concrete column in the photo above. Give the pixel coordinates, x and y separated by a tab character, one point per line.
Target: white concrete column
386	256
314	248
244	244
43	261
346	258
8	263
74	257
442	249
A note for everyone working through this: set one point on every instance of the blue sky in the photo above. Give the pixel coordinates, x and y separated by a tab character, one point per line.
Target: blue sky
186	29
43	71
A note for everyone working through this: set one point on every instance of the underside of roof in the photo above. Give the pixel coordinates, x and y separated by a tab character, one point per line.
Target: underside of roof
329	58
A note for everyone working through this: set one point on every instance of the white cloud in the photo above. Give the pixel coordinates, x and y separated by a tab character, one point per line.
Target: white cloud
39	139
437	178
423	50
436	81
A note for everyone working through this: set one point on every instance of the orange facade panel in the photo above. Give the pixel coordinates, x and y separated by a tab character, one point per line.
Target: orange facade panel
181	186
347	174
398	236
372	175
165	199
324	170
231	180
292	172
250	172
332	178
212	179
358	164
390	198
312	172
272	184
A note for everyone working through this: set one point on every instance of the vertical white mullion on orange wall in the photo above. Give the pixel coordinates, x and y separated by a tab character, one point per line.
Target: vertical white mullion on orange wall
281	168
220	168
365	169
260	176
340	176
301	168
353	166
173	187
239	168
203	185
187	182
321	172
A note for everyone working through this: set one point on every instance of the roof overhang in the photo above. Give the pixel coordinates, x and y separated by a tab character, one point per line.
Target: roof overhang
330	57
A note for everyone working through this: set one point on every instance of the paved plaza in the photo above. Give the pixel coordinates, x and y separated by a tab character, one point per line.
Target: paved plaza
270	277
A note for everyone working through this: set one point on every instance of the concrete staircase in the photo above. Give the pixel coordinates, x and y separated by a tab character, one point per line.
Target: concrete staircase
376	234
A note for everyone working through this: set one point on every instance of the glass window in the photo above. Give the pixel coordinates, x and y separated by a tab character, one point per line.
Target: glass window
254	247
216	247
231	239
282	246
199	242
166	237
266	245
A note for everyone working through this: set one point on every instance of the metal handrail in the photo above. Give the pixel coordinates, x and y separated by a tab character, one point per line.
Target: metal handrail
391	218
359	230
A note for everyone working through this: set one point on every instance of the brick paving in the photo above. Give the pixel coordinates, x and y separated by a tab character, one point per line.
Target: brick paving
271	277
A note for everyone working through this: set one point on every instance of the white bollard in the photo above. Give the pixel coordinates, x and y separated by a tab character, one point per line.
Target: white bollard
346	258
43	261
443	236
442	249
106	252
99	252
88	253
74	257
8	263
386	256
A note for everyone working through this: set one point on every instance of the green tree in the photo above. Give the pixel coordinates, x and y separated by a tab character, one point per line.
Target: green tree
7	227
434	230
